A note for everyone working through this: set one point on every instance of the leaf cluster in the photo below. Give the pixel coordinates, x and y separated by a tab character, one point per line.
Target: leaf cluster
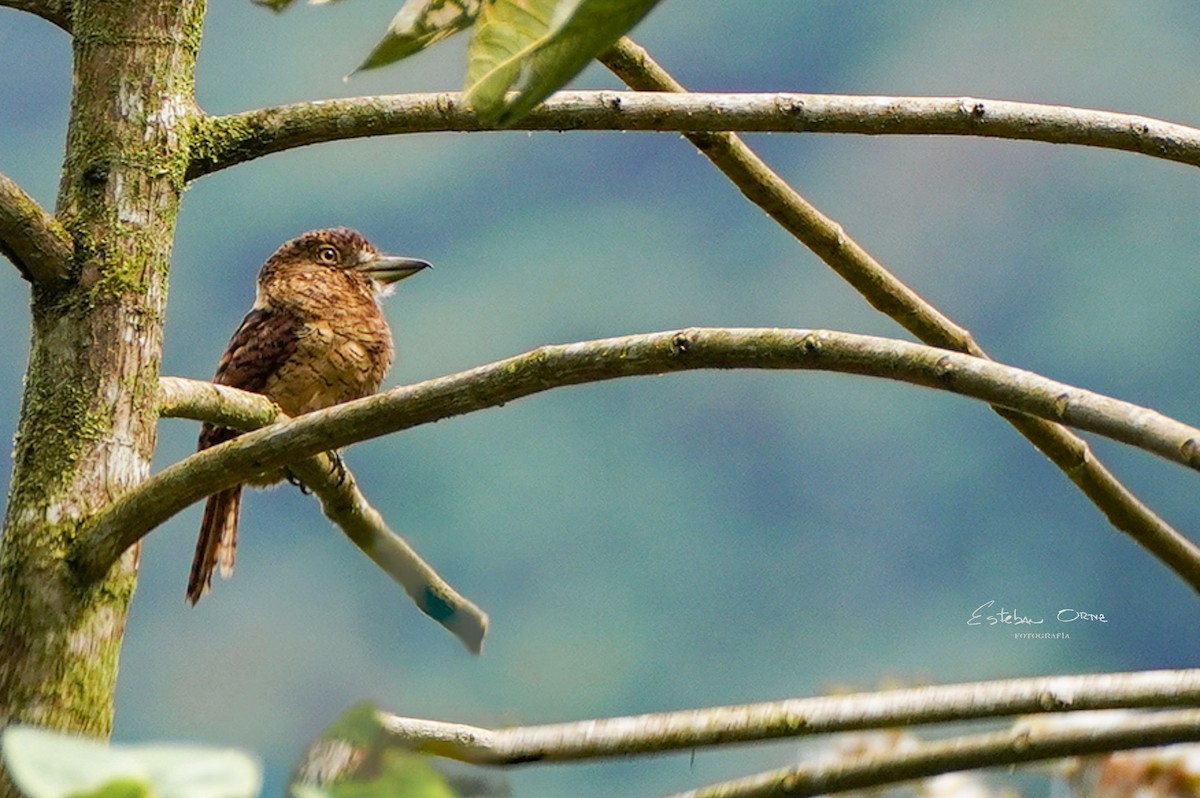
531	46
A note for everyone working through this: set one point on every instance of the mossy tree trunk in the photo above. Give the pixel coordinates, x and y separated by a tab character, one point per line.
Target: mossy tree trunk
87	426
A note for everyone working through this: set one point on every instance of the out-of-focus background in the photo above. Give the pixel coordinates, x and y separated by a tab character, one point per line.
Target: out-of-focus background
699	539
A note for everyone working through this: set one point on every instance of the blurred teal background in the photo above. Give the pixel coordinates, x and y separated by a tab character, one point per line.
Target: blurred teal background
707	538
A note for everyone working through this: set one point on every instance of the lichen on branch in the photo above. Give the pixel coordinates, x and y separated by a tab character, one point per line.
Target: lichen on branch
223	141
31	238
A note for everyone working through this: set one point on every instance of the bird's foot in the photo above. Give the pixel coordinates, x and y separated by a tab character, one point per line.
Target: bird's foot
295	480
339	467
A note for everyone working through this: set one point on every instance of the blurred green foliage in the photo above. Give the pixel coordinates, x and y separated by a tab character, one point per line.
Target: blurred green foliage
46	764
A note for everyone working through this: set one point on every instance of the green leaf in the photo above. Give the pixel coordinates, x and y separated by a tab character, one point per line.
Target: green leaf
120	788
582	30
358	725
542	44
506	33
353	758
402	774
420	24
184	771
46	764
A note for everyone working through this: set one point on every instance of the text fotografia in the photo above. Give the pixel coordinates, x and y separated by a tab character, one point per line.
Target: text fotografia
988	614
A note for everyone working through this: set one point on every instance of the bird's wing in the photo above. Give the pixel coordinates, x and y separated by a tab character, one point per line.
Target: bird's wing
262	344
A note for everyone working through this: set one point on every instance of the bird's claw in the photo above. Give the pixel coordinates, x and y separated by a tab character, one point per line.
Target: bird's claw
339	467
295	480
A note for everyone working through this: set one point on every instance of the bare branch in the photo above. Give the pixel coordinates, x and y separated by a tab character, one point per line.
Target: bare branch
224	141
55	11
800	717
1025	741
341	500
885	292
31	238
217	404
346	506
126	520
1038	736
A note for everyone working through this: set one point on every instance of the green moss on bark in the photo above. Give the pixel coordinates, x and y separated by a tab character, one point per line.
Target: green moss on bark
88	415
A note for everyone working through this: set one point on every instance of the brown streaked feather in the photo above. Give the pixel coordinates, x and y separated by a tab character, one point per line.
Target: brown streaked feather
262	343
217	545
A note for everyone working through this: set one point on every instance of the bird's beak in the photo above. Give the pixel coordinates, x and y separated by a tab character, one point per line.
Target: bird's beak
388	269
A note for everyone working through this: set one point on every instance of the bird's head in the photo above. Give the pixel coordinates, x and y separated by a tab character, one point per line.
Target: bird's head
333	260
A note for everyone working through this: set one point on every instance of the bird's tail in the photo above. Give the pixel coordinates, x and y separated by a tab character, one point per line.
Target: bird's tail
217	546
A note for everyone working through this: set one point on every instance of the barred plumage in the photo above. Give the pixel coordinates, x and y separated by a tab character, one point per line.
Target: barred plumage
315	337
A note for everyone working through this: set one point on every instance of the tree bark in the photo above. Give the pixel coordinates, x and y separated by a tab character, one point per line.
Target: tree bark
87	426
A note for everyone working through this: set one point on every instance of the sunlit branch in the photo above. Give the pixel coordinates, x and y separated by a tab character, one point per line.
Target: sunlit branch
223	141
888	294
801	717
1023	742
30	237
130	517
346	506
342	501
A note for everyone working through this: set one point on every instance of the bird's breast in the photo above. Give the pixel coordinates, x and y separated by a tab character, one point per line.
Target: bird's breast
335	360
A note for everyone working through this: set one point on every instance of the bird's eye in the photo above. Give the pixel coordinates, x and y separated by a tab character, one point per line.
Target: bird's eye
327	254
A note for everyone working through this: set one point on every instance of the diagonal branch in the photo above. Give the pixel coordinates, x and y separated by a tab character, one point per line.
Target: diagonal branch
223	141
57	12
685	730
342	501
31	238
888	294
130	517
346	506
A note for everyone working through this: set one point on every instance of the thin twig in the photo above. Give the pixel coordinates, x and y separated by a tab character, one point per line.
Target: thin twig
31	238
126	520
223	141
342	501
685	730
888	294
224	405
